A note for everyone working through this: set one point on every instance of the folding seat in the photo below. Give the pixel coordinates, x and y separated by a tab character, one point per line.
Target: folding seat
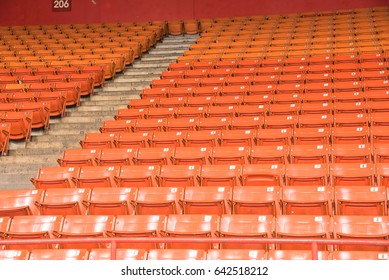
149	125
350	135
360	255
380	153
14	255
54	78
181	124
236	226
379	118
374	75
213	123
302	226
211	200
157	201
356	174
59	254
245	71
317	78
193	225
296	255
229	155
142	103
98	140
17	97
20	124
19	202
86	82
379	135
55	177
218	72
229	102
344	98
351	153
221	111
96	177
40	112
121	254
8	80
310	153
84	226
170	139
315	120
130	114
4	138
153	156
178	175
191	155
288	78
116	157
351	120
268	155
32	227
15	88
318	87
162	83
191	112
360	200
258	200
203	64
63	201
77	157
220	175
200	101
116	126
350	107
98	73
280	122
207	91
173	101
254	105
264	84
262	175
110	201
306	174
137	176
72	89
318	97
179	66
132	226
273	136
132	140
35	87
239	136
197	73
375	107
307	200
372	228
276	109
346	76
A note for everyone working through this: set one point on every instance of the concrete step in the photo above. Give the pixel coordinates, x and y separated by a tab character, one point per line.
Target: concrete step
22	184
72	129
69	138
102	103
99	114
89	119
96	108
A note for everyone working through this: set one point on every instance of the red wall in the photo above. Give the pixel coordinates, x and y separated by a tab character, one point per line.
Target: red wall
25	12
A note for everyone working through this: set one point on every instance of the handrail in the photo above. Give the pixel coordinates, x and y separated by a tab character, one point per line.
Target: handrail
114	241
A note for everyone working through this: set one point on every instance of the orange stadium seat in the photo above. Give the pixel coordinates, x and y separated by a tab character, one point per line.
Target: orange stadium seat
138	226
193	225
62	201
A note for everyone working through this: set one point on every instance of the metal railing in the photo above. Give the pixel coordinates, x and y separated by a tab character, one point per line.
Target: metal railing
315	243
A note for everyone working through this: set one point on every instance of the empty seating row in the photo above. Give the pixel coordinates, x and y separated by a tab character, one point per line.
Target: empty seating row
232	151
148	175
311	64
374	228
292	87
182	133
259	200
186	254
41	73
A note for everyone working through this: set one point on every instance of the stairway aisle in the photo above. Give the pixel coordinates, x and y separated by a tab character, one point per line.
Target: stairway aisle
24	160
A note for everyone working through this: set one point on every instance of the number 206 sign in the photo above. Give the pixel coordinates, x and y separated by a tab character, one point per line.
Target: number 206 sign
62	5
